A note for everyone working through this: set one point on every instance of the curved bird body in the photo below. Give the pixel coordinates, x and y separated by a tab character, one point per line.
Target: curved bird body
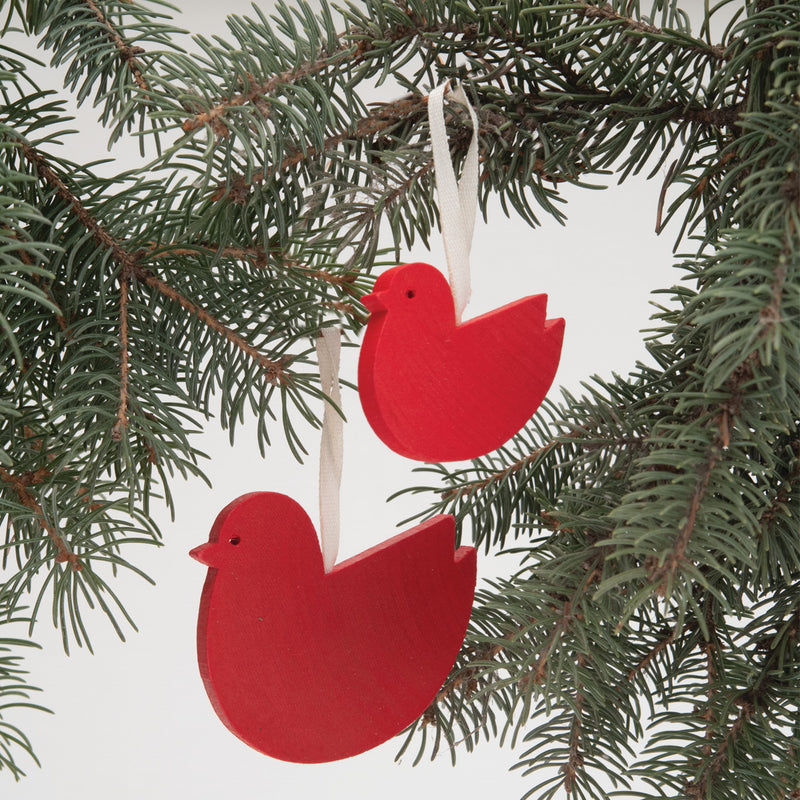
436	391
310	667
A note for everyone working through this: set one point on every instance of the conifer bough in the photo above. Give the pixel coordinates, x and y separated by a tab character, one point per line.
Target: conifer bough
649	644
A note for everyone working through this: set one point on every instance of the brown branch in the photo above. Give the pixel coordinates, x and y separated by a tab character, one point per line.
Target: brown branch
257	91
593	573
407	108
258	256
722	117
606	12
667	638
575	759
593	569
122	256
347	309
122	410
401	188
662	196
465	678
697	789
769	317
784	493
354	53
126	52
470	488
354	48
562	624
275	369
379	119
748	708
709	648
662	574
20	486
466	675
519	464
25	257
592	11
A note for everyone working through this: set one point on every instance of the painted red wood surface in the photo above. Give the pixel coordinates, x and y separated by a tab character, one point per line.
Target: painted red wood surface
435	391
310	667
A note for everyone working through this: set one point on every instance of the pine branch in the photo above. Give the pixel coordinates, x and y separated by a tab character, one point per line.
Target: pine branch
257	256
494	124
123	257
666	639
275	371
572	769
127	53
15	692
124	355
113	51
785	492
662	573
698	788
259	93
129	262
678	479
587	444
386	115
355	46
26	497
352	48
636	26
564	620
465	679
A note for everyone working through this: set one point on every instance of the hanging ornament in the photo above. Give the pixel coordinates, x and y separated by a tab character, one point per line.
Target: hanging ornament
435	388
310	662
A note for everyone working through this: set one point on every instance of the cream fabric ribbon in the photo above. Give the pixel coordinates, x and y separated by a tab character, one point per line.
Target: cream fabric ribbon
458	200
329	345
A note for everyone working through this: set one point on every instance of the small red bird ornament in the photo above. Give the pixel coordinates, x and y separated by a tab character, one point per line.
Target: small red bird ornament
308	666
433	390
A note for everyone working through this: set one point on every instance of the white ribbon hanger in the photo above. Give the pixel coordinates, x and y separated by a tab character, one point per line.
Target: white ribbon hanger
458	200
329	345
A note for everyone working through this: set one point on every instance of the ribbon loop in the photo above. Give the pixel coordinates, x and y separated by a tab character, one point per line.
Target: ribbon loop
458	200
329	345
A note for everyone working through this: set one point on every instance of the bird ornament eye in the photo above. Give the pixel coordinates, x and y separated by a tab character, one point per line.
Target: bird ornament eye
410	294
235	540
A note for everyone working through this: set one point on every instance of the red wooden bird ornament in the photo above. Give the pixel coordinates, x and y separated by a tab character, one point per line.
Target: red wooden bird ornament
309	666
435	388
436	391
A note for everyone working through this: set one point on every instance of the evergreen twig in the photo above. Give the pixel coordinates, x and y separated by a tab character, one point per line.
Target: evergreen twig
127	53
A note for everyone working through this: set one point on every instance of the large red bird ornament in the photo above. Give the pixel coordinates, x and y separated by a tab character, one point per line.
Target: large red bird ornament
308	666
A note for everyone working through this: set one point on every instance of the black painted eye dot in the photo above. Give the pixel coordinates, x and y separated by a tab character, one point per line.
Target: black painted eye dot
410	294
235	539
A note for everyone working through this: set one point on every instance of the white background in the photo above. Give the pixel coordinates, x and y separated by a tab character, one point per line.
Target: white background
133	720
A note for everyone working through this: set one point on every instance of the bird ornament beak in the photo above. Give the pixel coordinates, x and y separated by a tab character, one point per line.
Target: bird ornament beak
205	553
373	302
